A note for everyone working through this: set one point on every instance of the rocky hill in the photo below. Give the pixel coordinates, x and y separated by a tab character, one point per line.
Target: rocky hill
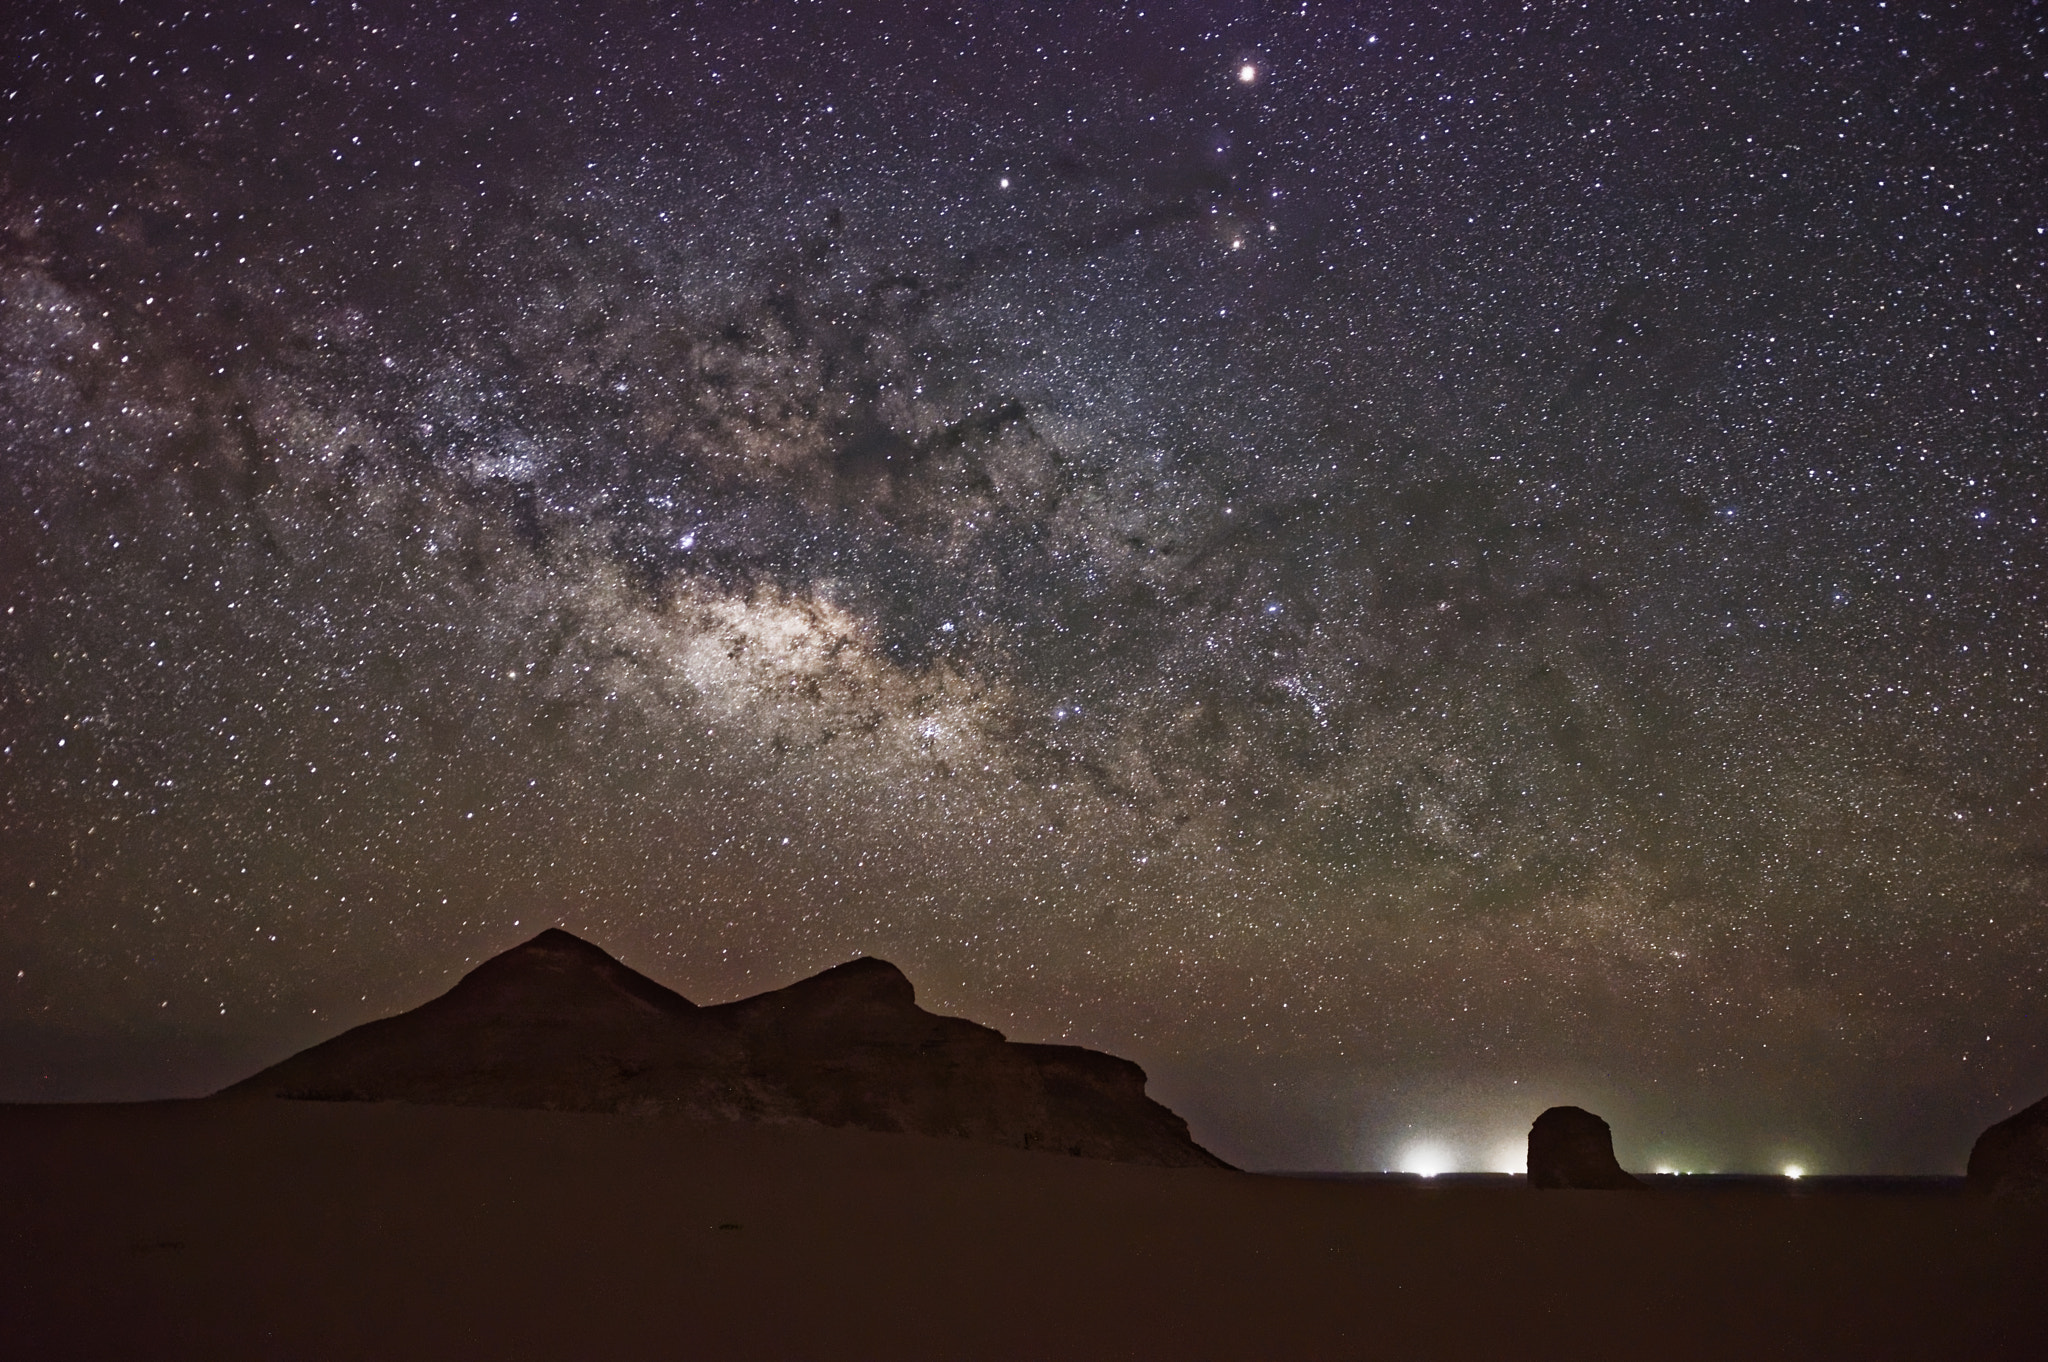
557	1024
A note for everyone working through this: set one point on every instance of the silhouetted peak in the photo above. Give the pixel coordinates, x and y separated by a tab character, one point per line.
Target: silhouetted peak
557	969
865	976
554	939
864	986
553	950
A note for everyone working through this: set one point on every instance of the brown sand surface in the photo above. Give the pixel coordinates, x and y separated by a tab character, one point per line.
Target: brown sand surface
270	1229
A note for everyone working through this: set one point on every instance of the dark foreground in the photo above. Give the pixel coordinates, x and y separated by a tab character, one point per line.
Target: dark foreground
266	1229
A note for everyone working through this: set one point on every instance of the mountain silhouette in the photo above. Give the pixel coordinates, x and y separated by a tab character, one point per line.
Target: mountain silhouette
559	1025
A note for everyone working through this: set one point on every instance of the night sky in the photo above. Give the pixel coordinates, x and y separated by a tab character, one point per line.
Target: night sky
1395	563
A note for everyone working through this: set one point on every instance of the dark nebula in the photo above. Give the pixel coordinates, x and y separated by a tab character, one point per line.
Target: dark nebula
1399	564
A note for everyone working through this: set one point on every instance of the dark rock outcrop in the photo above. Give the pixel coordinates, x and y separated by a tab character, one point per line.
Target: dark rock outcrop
557	1024
1571	1147
2010	1160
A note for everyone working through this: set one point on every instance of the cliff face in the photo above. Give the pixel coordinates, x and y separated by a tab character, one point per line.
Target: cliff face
558	1024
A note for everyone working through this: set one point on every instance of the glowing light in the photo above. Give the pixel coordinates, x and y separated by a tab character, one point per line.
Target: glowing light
1247	73
1511	1157
1003	183
1793	1170
1666	1172
1425	1160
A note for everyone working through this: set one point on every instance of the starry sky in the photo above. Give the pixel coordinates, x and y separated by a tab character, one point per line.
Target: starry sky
1396	563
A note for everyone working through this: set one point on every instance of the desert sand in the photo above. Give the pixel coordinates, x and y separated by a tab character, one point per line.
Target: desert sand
298	1229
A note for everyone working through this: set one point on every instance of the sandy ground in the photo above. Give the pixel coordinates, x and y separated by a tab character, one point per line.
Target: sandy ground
330	1230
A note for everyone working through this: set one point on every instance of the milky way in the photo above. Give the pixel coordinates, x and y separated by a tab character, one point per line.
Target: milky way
1396	564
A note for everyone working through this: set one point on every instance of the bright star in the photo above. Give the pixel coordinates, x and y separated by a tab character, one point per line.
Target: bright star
1247	73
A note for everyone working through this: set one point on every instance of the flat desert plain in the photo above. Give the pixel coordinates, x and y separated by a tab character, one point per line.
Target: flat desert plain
299	1230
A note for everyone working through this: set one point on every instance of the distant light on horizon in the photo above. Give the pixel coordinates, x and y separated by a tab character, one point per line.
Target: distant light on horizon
1430	1158
1425	1160
1793	1170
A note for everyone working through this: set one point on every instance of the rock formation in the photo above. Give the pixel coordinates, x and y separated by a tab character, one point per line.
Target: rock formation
558	1024
2010	1160
1571	1147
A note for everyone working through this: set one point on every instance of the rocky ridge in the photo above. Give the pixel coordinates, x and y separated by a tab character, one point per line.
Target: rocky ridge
558	1024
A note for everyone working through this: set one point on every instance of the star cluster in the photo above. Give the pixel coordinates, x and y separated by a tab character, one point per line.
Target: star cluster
1394	563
